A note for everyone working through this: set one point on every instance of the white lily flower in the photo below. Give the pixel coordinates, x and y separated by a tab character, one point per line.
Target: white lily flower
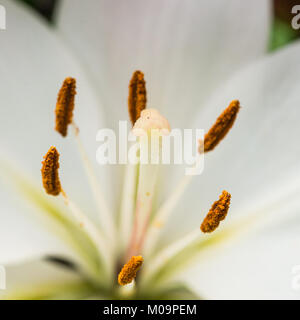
191	53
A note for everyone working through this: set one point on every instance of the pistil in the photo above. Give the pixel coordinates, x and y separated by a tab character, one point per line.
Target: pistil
149	128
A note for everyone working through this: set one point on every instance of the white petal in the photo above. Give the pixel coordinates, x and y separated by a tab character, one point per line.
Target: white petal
261	150
33	64
22	238
185	48
42	280
257	163
263	267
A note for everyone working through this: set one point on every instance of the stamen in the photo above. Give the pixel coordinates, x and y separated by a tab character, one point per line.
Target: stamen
136	104
221	127
128	272
217	213
65	106
212	138
49	172
52	186
64	117
137	98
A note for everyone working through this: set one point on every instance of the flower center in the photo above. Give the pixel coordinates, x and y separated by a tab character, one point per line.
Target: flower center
135	234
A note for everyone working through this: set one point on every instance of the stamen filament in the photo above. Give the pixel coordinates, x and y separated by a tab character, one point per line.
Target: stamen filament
169	252
166	209
88	225
104	213
212	220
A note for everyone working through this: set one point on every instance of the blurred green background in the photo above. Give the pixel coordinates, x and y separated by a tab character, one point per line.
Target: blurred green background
281	34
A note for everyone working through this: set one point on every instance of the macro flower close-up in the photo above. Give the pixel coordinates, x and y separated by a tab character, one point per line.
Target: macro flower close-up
78	221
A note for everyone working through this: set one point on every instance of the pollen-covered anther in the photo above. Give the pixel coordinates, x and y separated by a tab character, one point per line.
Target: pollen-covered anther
137	98
129	270
217	213
221	127
65	106
49	172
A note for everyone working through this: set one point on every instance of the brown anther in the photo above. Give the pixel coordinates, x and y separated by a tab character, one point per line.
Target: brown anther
128	272
217	213
221	127
137	98
65	106
49	172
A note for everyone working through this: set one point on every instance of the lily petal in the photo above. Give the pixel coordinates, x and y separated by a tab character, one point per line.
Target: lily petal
185	48
262	149
258	162
39	279
263	267
278	212
33	66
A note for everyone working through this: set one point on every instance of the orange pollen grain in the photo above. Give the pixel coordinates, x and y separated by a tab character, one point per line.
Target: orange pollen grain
65	106
49	172
217	213
221	127
137	98
129	270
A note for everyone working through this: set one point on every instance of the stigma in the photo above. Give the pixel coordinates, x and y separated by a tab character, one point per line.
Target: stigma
151	119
